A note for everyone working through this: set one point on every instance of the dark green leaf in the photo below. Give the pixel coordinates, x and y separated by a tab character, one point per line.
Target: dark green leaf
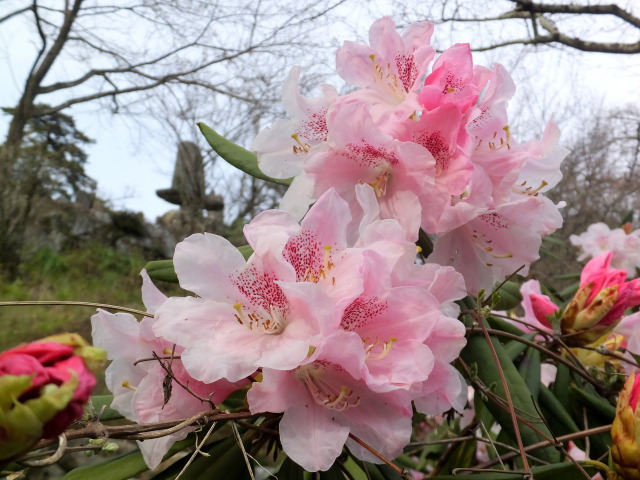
557	411
530	370
504	325
121	468
477	351
239	157
594	402
101	404
161	270
290	470
564	471
514	348
510	296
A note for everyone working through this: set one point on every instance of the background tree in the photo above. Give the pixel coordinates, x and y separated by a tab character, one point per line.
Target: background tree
124	55
576	25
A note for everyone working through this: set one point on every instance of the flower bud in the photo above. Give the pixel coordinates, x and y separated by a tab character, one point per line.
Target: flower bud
43	388
599	303
625	431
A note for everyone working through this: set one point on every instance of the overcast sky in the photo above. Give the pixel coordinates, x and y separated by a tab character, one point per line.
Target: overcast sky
129	165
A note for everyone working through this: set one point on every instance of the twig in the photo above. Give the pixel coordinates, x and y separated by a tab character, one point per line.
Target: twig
244	452
507	394
77	304
57	455
374	452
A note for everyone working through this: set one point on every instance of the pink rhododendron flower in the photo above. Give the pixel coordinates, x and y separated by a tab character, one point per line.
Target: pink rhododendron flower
324	400
138	381
623	243
437	149
390	70
267	311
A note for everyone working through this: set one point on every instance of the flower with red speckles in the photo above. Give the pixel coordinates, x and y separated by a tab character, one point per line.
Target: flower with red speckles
390	70
268	311
142	390
324	400
438	151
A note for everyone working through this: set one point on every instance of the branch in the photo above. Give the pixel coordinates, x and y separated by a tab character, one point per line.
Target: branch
15	13
573	9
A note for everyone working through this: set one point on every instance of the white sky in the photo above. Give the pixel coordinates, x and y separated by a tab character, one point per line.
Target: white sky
129	167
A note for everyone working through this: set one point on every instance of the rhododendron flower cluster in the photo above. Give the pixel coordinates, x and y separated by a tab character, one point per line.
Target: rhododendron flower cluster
333	317
623	243
331	323
433	142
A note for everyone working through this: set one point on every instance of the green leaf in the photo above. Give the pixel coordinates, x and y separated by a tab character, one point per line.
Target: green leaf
164	271
530	370
388	473
477	351
514	348
510	296
557	411
462	456
502	324
561	384
239	157
100	402
290	470
161	270
121	468
565	471
246	251
595	402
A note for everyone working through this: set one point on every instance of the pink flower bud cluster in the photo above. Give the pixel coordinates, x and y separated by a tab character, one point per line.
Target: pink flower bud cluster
433	142
44	386
597	308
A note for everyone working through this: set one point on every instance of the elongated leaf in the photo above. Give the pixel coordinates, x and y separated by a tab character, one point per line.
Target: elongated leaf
556	409
101	404
561	385
239	157
530	370
462	456
504	325
514	348
510	296
161	270
595	402
478	352
290	470
564	471
121	468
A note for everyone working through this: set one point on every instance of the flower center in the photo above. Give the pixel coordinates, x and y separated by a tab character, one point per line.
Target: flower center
325	392
273	324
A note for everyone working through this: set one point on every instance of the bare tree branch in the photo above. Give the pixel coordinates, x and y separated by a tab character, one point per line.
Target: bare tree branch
14	14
